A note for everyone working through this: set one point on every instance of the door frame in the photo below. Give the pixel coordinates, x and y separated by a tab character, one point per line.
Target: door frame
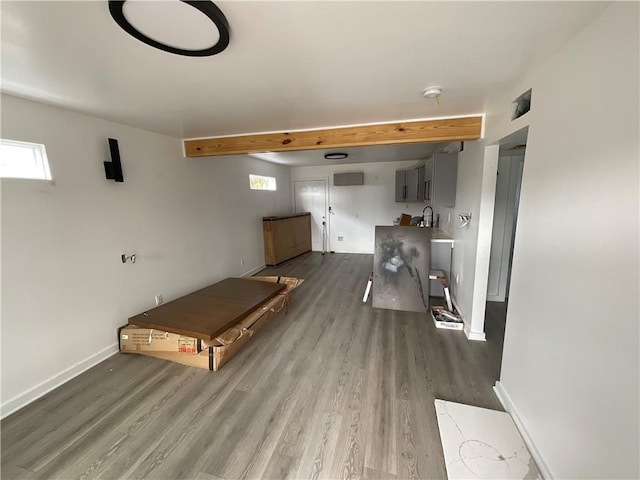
327	204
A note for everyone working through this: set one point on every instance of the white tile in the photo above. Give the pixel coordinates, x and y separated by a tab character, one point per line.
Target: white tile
482	443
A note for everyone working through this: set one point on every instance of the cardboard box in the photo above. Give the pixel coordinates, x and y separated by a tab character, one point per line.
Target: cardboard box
215	356
137	339
445	321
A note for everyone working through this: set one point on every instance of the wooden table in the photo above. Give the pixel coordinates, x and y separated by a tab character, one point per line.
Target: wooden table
208	312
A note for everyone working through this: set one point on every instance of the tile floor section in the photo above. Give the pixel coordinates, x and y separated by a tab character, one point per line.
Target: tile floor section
482	443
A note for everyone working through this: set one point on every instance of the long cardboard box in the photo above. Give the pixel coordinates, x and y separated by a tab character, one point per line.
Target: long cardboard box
215	354
139	339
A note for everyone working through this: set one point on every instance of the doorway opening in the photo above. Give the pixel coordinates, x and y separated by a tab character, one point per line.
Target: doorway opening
505	219
311	196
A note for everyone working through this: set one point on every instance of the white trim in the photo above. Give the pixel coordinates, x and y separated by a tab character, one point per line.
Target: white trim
510	408
253	271
475	336
311	129
34	393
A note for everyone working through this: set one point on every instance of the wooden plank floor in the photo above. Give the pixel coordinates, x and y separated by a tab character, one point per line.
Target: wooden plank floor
335	389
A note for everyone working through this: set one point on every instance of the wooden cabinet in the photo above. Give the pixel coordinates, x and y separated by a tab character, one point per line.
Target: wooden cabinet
286	237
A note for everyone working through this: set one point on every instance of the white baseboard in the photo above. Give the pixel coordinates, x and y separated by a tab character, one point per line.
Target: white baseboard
476	336
31	395
510	408
253	271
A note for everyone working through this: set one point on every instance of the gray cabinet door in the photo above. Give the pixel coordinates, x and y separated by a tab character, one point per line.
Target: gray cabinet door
412	185
445	178
401	186
421	183
428	181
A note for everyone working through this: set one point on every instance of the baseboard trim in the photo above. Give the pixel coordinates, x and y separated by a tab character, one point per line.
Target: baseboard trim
475	336
253	271
509	407
34	393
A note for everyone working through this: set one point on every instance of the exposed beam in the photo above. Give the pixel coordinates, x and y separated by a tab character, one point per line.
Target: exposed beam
425	131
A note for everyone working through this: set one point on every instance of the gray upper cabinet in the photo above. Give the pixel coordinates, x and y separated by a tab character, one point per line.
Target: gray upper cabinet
401	185
412	186
433	182
421	183
427	192
445	176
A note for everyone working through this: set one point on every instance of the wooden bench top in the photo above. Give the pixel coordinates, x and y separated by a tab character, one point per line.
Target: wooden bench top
210	311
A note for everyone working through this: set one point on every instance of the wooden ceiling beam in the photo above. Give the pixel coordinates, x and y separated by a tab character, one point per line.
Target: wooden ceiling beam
424	131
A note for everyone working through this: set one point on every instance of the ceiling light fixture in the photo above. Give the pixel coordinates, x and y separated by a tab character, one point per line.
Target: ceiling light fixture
209	9
336	156
432	92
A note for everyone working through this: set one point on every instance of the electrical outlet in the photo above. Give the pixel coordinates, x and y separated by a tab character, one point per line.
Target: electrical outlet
340	239
159	300
242	262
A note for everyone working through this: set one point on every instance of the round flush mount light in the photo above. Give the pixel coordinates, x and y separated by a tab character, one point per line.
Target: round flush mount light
182	27
432	92
336	156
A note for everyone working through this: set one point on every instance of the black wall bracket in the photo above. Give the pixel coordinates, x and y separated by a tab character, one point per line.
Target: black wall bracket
113	169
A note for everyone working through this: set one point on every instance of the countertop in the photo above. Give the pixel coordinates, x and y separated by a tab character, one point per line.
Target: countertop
440	236
437	235
282	217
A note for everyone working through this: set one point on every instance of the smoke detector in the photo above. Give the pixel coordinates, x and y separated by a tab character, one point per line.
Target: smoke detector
432	92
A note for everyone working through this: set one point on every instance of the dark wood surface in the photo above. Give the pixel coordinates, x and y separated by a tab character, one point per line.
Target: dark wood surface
335	389
282	217
208	312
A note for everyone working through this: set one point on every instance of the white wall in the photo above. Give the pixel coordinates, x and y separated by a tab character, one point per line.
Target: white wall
65	291
477	166
570	370
358	209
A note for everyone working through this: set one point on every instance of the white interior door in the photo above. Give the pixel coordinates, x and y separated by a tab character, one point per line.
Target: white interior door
311	196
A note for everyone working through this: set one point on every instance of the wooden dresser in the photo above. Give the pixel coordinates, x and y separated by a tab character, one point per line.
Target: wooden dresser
286	237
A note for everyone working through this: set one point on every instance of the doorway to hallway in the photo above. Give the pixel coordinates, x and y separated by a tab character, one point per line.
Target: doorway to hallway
311	196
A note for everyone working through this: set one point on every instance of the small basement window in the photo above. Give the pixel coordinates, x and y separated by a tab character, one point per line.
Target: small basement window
23	160
259	182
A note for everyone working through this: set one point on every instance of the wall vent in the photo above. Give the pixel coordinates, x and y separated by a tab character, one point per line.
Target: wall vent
521	105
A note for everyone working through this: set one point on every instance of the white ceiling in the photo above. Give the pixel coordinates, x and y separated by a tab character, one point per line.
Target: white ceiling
373	154
289	65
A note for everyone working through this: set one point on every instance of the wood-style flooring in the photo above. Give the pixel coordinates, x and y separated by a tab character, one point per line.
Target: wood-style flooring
334	389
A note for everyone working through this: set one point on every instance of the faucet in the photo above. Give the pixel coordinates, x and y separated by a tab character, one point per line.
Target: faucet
430	222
